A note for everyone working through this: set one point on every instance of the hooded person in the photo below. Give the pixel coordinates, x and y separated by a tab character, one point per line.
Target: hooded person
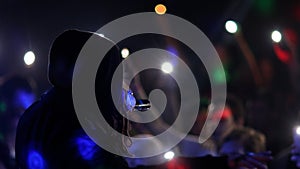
49	134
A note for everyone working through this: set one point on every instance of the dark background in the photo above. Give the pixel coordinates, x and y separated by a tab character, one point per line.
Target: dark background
33	25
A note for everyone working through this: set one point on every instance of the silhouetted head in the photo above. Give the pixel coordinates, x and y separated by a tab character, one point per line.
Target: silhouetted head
63	55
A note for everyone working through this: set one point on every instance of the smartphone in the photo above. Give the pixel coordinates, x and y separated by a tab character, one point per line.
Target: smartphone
142	105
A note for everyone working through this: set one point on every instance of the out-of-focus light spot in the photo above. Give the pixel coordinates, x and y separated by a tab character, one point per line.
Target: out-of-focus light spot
265	6
276	36
172	50
124	53
86	147
29	58
2	107
101	35
24	99
169	155
298	130
284	56
160	9
167	67
219	76
35	160
231	26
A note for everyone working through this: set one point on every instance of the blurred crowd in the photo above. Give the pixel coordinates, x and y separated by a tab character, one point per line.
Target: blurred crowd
17	94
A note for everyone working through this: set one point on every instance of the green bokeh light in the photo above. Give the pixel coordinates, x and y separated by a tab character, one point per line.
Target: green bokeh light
220	76
2	107
266	7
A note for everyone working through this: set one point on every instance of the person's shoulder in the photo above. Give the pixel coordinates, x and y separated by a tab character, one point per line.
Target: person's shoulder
36	108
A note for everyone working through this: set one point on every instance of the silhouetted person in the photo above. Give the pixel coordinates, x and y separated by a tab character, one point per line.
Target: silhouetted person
49	134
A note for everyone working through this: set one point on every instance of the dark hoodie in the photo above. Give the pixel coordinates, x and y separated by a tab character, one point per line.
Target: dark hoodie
49	135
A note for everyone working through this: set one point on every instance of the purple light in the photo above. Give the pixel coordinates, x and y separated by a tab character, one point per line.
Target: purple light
172	50
174	58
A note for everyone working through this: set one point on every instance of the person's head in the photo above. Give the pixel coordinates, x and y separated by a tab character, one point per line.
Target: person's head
242	140
63	55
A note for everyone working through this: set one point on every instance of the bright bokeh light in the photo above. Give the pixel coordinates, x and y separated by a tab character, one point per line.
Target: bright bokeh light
23	98
160	9
276	36
29	58
298	130
231	26
86	147
124	53
220	76
35	160
167	67
169	155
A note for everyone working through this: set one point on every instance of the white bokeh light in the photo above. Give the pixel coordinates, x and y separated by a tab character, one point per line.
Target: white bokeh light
167	67
124	53
231	26
276	36
29	58
298	130
169	155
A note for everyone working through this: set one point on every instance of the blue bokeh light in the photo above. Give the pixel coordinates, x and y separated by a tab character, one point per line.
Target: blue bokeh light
86	147
24	99
35	160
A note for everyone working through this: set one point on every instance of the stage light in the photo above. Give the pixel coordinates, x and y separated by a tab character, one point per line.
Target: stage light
276	36
169	155
29	58
167	67
160	9
231	26
124	53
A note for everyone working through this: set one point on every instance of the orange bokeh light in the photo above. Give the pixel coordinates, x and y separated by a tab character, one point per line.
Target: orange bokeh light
160	9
